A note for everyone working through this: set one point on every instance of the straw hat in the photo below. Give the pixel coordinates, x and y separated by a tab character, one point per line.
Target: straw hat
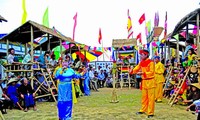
2	80
197	85
12	80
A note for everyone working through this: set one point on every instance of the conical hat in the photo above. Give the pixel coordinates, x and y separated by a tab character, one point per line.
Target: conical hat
197	85
2	80
12	80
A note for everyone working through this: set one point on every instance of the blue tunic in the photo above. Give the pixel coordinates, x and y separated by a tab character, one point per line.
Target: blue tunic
65	92
86	84
12	93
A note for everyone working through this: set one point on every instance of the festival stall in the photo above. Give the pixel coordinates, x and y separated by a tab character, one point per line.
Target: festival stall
124	78
25	35
188	24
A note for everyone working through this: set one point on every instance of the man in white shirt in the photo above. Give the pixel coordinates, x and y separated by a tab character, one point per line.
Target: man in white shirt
93	79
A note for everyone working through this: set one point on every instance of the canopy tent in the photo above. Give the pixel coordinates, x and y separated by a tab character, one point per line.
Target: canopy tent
88	55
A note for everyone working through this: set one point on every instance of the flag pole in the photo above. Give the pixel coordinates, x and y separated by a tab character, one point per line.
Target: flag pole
102	49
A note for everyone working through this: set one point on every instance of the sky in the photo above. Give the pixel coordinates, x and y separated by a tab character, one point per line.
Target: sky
109	15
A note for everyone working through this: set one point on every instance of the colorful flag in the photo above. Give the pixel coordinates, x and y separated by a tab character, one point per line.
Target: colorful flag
46	18
139	36
100	36
156	19
24	16
129	27
75	23
183	34
194	30
176	36
142	19
165	27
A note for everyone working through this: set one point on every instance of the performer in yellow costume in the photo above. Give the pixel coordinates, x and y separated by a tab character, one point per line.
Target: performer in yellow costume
146	68
159	78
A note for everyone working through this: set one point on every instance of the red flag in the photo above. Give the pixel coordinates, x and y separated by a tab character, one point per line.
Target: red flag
142	19
75	23
139	36
100	36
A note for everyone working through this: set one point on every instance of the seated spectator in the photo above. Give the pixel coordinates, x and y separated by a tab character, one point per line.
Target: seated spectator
109	82
196	105
125	61
195	95
5	101
52	61
191	55
27	94
27	59
168	89
101	78
11	56
44	59
12	92
119	60
130	59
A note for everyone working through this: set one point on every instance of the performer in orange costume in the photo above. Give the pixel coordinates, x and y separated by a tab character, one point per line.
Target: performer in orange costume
159	78
146	68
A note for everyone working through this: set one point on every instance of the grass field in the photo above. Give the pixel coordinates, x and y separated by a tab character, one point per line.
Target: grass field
98	107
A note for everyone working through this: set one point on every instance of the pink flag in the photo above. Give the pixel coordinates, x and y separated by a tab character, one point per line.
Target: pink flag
194	30
75	23
183	34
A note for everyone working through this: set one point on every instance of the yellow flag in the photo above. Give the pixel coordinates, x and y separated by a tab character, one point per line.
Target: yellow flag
24	16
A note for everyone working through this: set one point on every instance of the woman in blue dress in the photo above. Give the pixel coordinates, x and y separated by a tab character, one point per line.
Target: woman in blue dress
65	100
86	81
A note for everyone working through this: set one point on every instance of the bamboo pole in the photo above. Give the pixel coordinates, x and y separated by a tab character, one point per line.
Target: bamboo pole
198	47
32	55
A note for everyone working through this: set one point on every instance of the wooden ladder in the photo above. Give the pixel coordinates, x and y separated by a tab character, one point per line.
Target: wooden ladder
167	77
179	86
48	79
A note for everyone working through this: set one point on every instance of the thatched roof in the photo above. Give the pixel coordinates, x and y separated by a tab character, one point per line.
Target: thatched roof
118	43
2	19
188	19
22	34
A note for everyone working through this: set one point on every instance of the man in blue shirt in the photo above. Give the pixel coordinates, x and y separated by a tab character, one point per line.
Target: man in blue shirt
43	59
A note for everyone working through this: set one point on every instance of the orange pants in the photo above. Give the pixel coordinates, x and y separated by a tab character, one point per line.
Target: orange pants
148	101
159	92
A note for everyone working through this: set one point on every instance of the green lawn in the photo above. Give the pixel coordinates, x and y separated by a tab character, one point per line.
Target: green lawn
98	107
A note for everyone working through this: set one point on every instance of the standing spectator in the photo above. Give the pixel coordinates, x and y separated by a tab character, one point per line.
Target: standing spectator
159	78
93	79
86	81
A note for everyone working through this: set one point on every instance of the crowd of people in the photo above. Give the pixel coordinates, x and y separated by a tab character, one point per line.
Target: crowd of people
78	78
18	93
